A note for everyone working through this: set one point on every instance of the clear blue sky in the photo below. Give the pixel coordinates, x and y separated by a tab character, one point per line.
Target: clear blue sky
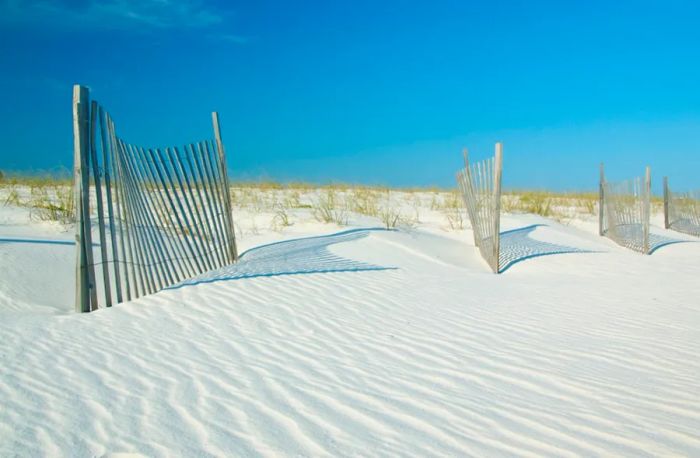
366	91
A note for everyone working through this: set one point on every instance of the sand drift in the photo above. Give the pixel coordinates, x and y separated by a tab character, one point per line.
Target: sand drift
368	342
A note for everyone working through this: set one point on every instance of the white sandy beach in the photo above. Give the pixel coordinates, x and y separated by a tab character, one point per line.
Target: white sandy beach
362	343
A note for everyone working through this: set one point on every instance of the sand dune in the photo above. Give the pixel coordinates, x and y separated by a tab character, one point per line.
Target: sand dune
373	343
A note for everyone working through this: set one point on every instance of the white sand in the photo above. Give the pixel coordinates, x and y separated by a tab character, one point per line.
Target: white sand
594	353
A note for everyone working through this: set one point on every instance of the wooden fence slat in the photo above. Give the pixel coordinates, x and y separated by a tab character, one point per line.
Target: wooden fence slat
80	126
203	248
180	216
135	237
233	249
667	224
155	250
223	248
646	214
601	201
165	247
139	228
201	244
497	174
195	216
106	154
87	216
198	181
197	159
185	263
129	269
94	110
185	225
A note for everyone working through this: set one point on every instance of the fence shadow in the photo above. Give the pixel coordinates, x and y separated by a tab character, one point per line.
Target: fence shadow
657	241
517	246
686	226
9	240
631	236
37	241
309	255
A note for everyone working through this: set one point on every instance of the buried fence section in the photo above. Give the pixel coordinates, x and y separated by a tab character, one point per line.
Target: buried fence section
625	211
682	210
162	215
480	185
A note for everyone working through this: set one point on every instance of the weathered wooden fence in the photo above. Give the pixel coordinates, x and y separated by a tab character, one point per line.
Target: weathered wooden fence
480	185
624	211
682	210
147	218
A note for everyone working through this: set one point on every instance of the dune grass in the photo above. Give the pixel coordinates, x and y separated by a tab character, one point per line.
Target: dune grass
49	197
562	206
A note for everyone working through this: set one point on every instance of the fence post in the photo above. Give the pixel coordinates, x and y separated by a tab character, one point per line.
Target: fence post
647	209
498	172
233	251
601	201
81	97
475	230
667	197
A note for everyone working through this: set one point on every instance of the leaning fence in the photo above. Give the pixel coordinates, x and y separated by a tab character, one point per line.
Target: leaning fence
480	185
158	215
625	211
682	210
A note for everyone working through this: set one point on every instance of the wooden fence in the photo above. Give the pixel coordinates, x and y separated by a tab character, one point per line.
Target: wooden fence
624	211
147	218
682	210
480	185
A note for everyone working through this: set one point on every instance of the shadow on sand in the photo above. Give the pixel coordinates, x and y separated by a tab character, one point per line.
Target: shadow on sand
657	241
309	255
517	246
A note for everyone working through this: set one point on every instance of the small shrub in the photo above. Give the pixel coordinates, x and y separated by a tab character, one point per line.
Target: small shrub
454	210
416	204
391	215
455	219
328	208
509	203
293	200
364	202
538	203
12	198
281	218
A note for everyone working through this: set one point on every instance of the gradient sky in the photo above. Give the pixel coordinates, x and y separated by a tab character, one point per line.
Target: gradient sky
376	92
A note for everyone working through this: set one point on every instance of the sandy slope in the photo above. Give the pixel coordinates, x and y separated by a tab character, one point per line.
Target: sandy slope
369	343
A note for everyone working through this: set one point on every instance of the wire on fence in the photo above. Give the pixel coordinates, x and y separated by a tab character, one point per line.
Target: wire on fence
480	185
625	211
682	210
162	215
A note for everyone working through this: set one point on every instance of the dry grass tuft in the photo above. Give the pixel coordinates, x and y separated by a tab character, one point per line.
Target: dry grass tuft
330	208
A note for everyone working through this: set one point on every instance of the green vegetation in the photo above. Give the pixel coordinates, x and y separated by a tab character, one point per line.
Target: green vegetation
559	206
50	198
55	203
330	207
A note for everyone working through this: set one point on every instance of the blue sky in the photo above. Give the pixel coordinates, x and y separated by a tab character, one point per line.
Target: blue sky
365	91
